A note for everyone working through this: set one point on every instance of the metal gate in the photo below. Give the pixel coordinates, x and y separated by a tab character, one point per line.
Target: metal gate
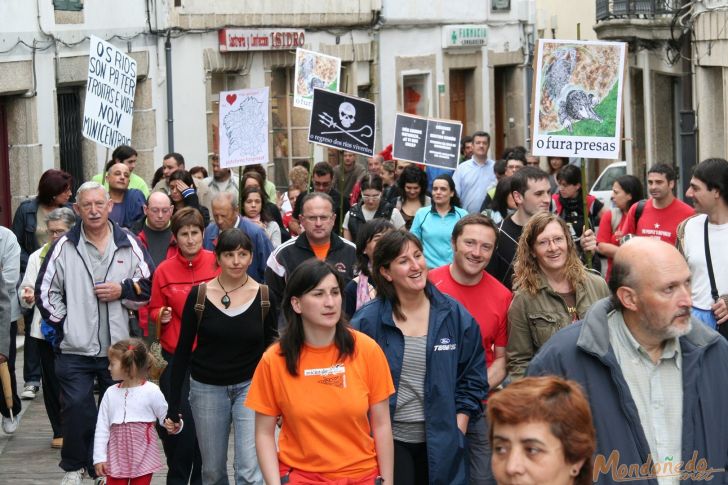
69	136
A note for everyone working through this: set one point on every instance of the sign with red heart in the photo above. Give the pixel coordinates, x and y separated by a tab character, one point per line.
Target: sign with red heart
231	98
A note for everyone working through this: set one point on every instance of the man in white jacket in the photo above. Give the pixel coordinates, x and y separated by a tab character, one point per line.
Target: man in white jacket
91	279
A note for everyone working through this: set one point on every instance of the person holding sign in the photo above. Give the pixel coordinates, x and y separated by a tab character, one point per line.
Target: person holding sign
128	203
433	225
371	207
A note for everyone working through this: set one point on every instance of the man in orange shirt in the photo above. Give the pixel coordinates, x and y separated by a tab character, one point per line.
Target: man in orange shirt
317	241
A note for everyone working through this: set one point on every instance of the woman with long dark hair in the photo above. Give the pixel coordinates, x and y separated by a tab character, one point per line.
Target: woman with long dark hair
436	357
433	225
502	203
329	384
254	202
626	191
412	185
235	326
361	288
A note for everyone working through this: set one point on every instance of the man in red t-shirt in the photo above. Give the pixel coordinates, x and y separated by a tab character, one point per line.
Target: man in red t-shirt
663	212
473	241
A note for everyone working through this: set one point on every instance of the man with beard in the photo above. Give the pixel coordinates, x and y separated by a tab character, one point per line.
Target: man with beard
220	181
650	370
473	241
530	189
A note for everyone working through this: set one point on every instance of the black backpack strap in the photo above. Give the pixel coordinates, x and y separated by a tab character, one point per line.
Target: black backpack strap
713	287
638	212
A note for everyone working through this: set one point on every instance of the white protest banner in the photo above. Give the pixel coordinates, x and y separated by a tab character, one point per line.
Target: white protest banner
577	98
314	70
109	108
243	127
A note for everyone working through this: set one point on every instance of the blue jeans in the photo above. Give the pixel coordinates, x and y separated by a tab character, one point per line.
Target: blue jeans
214	408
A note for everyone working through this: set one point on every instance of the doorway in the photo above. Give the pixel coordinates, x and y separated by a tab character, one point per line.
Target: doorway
5	201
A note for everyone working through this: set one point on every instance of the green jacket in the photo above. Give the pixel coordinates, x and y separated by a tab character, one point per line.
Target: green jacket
533	319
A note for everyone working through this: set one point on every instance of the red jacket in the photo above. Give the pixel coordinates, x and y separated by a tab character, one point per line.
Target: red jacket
171	251
171	284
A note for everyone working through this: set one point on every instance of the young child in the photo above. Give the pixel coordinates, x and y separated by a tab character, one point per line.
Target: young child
125	443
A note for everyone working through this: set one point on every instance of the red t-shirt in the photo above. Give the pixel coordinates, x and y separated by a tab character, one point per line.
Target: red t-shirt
487	302
605	234
658	223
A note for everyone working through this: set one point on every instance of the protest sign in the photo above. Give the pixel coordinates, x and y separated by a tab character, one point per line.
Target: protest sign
109	107
577	98
243	127
314	70
343	122
429	141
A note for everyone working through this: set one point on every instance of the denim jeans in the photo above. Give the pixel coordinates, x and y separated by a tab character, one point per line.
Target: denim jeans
479	452
214	408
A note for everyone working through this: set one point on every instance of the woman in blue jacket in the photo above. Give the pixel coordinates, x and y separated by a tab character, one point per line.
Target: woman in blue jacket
434	351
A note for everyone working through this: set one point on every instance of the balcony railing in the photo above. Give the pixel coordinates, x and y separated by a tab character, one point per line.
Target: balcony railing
634	9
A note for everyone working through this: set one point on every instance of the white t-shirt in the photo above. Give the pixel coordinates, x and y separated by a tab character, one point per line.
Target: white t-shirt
694	248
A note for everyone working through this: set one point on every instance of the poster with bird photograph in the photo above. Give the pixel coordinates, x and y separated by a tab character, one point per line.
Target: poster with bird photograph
577	98
314	70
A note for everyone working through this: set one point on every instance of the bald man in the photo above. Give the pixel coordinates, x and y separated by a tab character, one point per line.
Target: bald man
653	374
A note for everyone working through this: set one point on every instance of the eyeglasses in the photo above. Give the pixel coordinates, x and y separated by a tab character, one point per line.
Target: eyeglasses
545	243
160	210
315	219
371	197
57	232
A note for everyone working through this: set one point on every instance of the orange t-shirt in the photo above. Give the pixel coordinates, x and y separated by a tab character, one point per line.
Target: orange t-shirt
321	250
325	407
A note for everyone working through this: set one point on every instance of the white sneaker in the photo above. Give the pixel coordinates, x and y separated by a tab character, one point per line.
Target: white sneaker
10	425
73	478
29	392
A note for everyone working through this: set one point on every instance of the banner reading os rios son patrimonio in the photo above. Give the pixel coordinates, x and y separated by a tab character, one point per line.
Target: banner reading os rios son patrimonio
577	98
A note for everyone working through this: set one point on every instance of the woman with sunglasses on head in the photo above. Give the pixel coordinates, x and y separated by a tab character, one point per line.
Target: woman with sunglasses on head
183	193
436	357
371	206
328	385
433	225
234	325
552	289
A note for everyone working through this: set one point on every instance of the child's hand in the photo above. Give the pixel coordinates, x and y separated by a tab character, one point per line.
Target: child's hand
172	427
100	469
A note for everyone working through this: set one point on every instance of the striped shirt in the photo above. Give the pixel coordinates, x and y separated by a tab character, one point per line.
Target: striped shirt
657	391
409	416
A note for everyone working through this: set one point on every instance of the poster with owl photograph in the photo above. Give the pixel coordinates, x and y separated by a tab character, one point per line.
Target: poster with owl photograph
577	98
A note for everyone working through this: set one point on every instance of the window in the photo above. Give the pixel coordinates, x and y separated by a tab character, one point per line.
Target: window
289	134
69	135
415	94
71	5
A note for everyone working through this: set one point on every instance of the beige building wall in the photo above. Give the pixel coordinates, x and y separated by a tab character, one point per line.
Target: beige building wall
563	16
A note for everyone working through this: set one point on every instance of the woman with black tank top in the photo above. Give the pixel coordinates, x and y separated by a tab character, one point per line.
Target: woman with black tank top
232	323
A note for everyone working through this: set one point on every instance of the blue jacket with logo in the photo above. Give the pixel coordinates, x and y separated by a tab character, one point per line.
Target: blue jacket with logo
455	381
582	352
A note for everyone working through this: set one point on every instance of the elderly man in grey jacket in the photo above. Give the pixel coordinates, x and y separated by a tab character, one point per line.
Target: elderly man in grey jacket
89	281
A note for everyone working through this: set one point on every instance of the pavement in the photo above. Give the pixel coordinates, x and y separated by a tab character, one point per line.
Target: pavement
26	456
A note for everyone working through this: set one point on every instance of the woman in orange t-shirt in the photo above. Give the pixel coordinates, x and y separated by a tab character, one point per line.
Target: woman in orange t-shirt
331	387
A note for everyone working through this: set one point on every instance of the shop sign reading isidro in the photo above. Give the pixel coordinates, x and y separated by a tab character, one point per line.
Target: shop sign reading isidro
233	40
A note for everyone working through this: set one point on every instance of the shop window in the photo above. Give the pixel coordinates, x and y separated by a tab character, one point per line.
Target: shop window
289	135
68	5
415	94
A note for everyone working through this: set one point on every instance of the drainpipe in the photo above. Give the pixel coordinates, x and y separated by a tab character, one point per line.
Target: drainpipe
170	102
688	125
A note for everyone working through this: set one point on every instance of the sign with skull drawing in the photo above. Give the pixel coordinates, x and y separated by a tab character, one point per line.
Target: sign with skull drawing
342	121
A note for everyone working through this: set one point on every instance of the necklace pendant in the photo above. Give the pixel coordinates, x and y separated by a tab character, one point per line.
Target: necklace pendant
225	300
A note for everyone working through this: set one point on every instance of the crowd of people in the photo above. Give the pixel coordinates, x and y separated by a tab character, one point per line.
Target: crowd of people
376	324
